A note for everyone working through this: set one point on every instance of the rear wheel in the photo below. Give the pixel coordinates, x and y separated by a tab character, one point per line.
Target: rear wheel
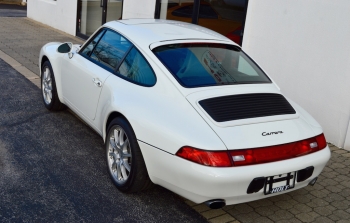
48	88
125	162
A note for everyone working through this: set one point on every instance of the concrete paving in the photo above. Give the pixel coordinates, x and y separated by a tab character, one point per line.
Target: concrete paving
22	39
327	201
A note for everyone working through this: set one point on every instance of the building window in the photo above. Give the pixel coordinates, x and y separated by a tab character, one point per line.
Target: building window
226	17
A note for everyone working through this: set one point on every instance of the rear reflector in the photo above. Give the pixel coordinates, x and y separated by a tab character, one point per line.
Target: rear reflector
253	156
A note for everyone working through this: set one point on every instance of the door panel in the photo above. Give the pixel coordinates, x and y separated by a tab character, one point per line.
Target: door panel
84	74
80	84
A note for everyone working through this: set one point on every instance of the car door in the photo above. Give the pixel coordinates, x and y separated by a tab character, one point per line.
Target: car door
84	74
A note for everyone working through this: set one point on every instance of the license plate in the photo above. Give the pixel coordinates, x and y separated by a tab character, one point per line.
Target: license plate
279	183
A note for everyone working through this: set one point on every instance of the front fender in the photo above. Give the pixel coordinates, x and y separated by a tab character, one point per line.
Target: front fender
49	51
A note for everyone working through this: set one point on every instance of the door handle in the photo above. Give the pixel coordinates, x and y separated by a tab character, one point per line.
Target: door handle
97	82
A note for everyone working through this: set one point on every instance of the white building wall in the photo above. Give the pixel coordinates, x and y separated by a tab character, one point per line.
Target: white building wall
59	14
304	45
143	9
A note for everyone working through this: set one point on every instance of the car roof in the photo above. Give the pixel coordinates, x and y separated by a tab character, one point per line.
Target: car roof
147	31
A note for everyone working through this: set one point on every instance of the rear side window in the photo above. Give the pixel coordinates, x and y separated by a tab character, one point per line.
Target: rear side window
136	69
208	64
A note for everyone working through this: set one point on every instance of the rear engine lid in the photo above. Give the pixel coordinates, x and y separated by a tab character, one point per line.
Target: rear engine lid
242	105
250	116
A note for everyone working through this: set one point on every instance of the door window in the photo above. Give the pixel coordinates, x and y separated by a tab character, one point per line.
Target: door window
108	50
111	49
136	69
88	49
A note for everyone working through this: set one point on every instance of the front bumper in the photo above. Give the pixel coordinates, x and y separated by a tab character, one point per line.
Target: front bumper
200	183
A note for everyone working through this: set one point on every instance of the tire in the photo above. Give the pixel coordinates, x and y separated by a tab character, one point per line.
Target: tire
48	89
125	162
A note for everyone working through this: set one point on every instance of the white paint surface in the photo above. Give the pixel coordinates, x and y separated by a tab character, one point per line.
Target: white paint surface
304	46
58	14
134	9
347	139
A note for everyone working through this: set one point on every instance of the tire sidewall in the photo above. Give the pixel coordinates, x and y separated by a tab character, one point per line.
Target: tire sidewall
125	186
51	104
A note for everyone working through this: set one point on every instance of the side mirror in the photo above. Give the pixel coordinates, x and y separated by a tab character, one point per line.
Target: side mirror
65	48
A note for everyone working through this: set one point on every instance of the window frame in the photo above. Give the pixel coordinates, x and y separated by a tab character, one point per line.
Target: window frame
116	68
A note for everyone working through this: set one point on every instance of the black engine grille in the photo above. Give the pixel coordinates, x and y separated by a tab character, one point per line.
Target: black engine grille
235	107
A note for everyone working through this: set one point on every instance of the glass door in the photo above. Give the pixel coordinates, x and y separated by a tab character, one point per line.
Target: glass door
114	10
89	16
93	13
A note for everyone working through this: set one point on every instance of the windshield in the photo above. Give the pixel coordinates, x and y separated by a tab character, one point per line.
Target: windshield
208	64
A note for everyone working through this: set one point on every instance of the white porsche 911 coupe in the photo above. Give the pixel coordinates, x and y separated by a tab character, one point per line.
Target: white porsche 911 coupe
183	107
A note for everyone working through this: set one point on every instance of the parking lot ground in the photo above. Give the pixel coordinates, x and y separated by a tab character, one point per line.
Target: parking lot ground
52	167
327	201
12	10
22	39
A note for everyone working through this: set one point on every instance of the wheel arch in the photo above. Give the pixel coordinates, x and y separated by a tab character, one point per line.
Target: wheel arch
111	116
43	59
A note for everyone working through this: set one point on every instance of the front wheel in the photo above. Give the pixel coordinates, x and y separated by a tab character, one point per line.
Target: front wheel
48	88
125	162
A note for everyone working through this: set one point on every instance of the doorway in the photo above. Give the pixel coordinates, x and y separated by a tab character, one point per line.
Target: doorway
94	13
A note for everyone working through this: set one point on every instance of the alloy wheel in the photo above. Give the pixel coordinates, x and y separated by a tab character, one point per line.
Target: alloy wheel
119	155
47	86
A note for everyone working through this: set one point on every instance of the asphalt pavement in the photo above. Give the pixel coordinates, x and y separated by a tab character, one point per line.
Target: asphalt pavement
11	10
53	167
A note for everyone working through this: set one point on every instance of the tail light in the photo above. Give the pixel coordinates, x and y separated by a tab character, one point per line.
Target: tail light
253	156
207	158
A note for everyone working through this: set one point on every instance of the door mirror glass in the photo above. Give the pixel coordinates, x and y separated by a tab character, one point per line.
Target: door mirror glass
65	48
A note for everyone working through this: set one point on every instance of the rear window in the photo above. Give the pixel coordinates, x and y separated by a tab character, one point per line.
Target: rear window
202	64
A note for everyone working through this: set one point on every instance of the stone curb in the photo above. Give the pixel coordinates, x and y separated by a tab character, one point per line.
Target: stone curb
35	79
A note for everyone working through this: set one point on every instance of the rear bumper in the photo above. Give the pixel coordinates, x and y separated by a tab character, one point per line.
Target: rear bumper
201	183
